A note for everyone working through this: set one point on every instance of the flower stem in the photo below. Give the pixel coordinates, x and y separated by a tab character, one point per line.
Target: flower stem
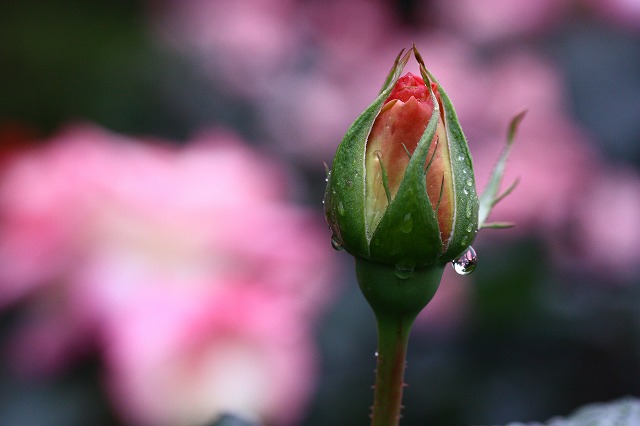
396	297
393	336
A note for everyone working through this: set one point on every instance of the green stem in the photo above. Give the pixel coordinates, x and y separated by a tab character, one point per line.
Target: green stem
393	336
396	297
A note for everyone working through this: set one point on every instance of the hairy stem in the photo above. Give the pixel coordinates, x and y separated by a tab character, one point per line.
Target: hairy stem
396	297
393	336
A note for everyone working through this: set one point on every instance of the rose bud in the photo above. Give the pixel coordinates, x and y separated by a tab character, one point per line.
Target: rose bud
401	190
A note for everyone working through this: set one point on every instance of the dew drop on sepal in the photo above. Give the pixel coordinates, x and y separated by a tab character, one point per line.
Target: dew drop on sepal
404	271
407	224
336	243
466	263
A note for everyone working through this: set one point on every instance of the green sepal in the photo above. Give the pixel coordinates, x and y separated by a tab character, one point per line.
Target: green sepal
345	195
490	196
465	218
408	234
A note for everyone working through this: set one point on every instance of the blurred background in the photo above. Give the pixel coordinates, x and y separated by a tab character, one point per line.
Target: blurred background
163	255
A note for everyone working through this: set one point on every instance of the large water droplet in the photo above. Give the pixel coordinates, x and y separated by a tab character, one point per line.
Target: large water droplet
407	224
341	208
336	243
466	263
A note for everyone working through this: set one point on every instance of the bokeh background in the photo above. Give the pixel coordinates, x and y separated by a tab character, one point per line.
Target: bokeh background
163	256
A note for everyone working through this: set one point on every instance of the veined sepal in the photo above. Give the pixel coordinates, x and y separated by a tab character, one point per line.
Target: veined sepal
408	234
465	218
344	200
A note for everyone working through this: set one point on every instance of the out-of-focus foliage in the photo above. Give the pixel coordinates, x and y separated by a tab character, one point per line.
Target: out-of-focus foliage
95	60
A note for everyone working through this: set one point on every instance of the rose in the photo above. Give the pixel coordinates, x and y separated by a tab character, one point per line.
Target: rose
401	198
402	188
393	140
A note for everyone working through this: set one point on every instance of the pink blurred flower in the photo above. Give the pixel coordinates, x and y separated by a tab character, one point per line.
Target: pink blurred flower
490	21
604	230
245	44
294	60
242	351
625	12
566	194
551	156
308	113
169	260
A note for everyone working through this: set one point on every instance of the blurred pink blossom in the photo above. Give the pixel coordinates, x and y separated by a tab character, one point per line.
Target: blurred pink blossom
245	44
300	63
566	195
308	113
242	351
490	21
171	262
481	21
551	156
604	229
625	12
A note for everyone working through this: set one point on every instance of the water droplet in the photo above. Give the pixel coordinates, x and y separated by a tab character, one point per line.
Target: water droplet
460	157
403	274
466	191
404	271
376	354
469	182
407	224
466	263
468	211
349	183
341	208
469	228
336	243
